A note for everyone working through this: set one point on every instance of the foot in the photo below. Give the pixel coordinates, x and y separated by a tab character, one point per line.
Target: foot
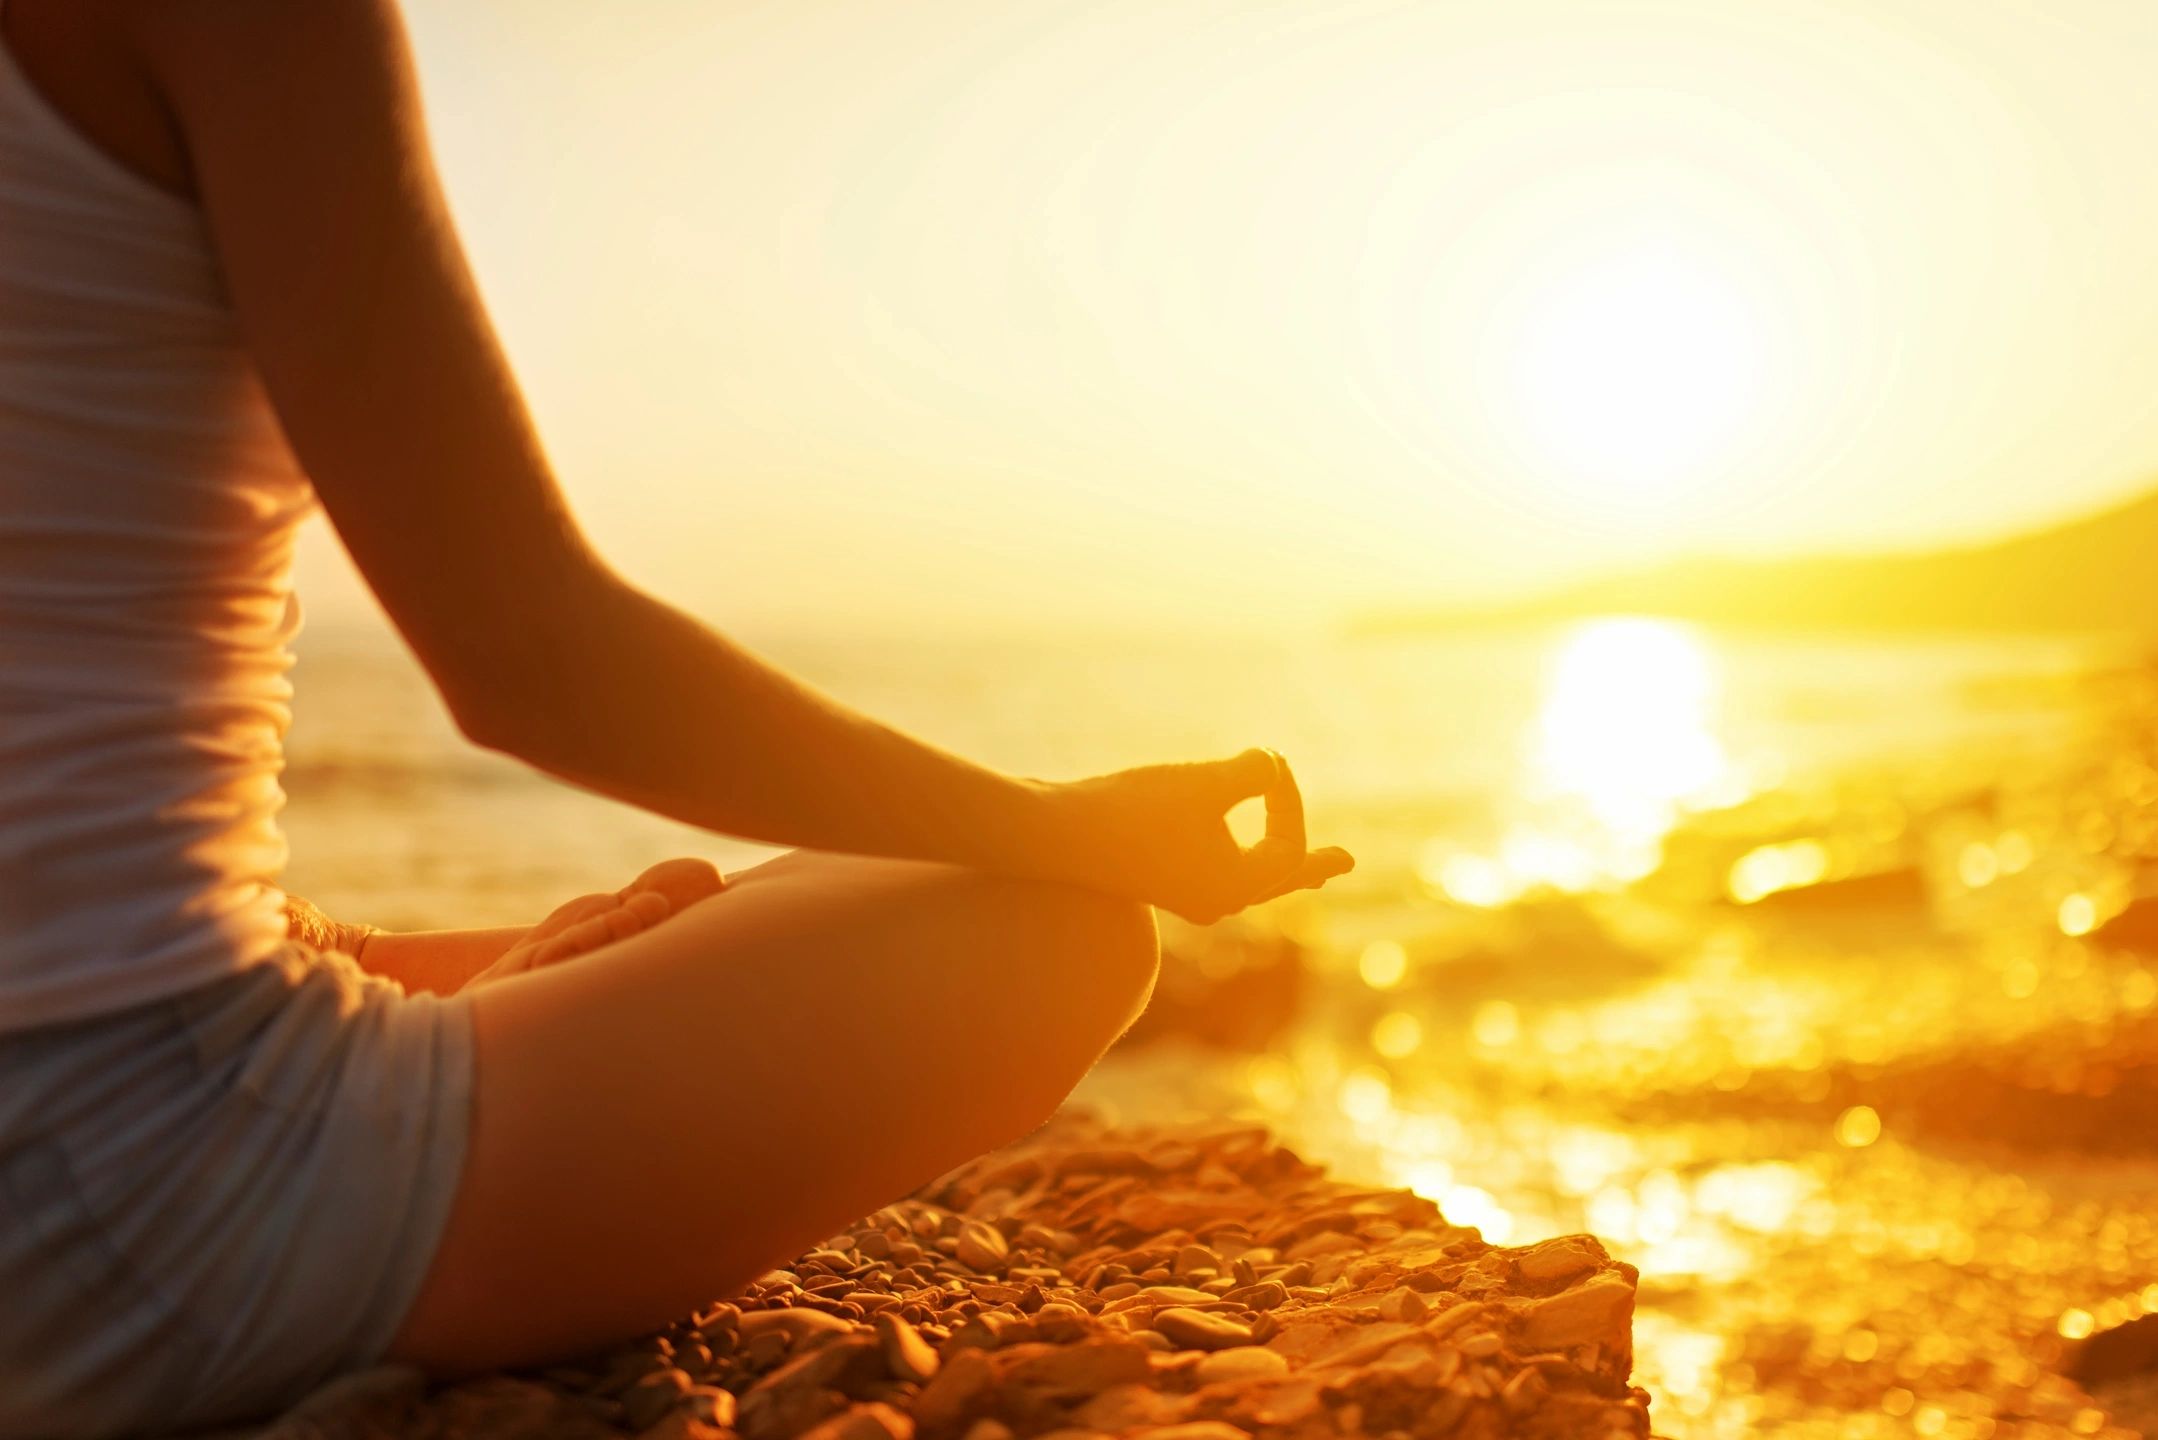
589	922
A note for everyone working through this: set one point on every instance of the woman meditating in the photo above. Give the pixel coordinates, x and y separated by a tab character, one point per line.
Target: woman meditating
242	1147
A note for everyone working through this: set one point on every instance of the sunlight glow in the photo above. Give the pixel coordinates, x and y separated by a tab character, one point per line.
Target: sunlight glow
1637	369
1382	964
1623	742
1491	295
1772	869
1626	725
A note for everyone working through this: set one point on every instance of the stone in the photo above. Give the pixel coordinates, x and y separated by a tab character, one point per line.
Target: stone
906	1353
679	1424
952	1397
845	1364
1193	1258
793	1322
1241	1362
709	1404
646	1402
1199	1330
873	1421
1558	1259
1403	1304
1123	1408
1074	1370
785	1412
981	1246
1600	1310
1200	1430
1264	1295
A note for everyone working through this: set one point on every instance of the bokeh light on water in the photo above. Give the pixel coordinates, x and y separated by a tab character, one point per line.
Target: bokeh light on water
1627	729
1624	741
1840	1055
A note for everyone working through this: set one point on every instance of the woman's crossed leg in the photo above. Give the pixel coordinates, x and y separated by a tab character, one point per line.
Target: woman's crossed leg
659	1121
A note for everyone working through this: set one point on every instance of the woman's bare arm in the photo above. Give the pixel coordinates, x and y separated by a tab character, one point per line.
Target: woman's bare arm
303	130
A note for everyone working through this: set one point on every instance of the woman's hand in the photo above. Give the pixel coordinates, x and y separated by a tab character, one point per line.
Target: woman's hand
1161	834
589	922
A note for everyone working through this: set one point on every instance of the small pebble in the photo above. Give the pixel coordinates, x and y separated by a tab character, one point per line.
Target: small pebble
1241	1362
905	1351
981	1246
1199	1330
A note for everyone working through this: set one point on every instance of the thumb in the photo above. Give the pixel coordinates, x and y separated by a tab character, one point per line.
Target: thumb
1269	867
1312	871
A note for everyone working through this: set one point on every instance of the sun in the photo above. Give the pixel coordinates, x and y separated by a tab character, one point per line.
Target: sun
1633	372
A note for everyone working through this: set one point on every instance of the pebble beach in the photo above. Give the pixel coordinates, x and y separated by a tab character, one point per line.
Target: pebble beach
1091	1282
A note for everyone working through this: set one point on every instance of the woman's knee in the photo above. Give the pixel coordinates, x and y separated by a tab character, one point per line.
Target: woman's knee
1119	938
1091	957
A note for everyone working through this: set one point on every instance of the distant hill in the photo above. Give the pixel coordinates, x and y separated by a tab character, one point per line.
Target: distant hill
2097	573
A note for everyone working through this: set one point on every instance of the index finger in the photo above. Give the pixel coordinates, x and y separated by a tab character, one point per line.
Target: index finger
1285	807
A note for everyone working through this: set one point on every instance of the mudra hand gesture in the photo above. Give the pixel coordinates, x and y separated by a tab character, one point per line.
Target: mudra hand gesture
1161	834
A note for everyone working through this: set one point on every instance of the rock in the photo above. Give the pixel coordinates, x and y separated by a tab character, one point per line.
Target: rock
1241	1362
1264	1295
1599	1310
1175	1295
906	1353
1194	1258
846	1364
952	1397
1199	1430
781	1414
1199	1330
865	1422
1075	1370
1123	1408
681	1425
708	1404
651	1398
981	1246
1525	1392
1557	1259
1403	1304
795	1323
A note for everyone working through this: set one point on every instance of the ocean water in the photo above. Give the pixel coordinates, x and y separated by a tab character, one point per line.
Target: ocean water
1399	740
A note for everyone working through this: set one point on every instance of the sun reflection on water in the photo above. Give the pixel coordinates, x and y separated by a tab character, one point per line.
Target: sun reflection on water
1626	730
1623	742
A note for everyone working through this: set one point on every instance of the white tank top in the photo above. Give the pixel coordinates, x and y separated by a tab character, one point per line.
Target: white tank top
147	507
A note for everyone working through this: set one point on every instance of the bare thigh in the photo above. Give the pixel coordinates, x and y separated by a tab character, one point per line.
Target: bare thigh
657	1122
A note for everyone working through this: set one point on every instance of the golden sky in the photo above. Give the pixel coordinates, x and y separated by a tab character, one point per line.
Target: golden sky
975	310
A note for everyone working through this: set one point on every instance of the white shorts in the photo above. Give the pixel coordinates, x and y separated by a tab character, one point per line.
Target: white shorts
211	1204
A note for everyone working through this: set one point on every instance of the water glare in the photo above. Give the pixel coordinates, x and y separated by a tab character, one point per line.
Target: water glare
1626	731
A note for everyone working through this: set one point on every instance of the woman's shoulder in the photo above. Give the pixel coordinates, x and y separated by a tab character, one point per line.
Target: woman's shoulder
85	60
